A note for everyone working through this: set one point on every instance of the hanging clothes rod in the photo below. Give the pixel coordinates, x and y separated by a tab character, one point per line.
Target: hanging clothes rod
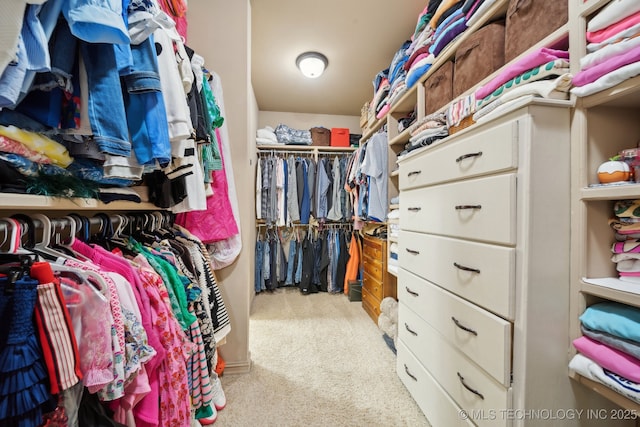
280	153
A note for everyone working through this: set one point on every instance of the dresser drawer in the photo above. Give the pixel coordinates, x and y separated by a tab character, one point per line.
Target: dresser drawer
374	248
487	151
471	388
485	338
477	209
481	273
373	286
427	393
371	305
373	267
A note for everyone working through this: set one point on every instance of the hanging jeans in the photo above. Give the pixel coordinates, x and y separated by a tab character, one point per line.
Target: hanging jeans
291	262
258	280
105	103
144	104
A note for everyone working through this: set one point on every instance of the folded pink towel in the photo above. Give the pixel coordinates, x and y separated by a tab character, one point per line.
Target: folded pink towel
609	358
594	73
628	246
613	29
534	59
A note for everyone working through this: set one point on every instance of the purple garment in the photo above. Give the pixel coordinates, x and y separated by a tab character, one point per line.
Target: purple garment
452	31
594	73
534	59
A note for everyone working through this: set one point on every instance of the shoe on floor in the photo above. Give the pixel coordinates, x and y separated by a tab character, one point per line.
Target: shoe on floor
210	419
219	399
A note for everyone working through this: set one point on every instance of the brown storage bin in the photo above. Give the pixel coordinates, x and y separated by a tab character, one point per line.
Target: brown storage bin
530	21
478	56
439	88
320	136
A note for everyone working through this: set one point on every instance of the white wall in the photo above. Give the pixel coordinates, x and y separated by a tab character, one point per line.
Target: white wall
220	31
307	121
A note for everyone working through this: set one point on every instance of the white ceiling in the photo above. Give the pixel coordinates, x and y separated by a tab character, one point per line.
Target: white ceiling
359	37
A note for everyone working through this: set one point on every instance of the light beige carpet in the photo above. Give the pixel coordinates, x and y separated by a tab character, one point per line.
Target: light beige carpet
318	360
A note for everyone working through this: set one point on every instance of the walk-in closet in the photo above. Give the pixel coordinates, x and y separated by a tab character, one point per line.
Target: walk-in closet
285	213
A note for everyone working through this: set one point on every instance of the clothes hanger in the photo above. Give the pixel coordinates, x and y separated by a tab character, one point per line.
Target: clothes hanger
83	277
65	244
111	239
16	263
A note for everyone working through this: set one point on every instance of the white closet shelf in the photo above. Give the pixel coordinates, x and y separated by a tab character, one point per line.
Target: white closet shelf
625	94
392	269
373	129
31	202
589	6
603	390
408	100
610	192
612	289
401	139
311	148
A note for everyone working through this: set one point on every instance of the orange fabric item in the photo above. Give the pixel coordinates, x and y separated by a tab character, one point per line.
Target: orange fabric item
220	365
353	265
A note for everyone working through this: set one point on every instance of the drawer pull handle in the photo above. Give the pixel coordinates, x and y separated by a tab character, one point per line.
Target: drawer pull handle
415	294
414	173
406	369
466	156
415	209
461	207
411	331
476	392
412	251
464	328
462	267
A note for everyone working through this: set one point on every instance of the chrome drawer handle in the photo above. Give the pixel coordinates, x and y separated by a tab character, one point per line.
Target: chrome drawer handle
464	328
462	267
466	156
414	173
406	370
412	251
476	392
412	332
461	207
415	294
414	209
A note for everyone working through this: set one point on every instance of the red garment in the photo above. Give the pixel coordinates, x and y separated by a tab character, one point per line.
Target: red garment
55	331
177	10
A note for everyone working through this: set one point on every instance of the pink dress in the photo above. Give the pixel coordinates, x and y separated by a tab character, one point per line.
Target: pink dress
174	394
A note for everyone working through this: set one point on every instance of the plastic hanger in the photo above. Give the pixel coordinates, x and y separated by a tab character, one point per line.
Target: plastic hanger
42	247
10	235
65	244
86	277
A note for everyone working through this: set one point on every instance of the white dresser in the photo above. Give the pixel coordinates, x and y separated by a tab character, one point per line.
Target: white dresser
483	283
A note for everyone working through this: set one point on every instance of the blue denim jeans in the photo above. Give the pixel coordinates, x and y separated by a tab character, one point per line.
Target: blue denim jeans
106	106
266	259
258	281
144	104
291	262
298	274
48	15
33	55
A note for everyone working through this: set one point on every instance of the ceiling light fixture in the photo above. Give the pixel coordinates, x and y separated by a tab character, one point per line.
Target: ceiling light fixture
312	64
